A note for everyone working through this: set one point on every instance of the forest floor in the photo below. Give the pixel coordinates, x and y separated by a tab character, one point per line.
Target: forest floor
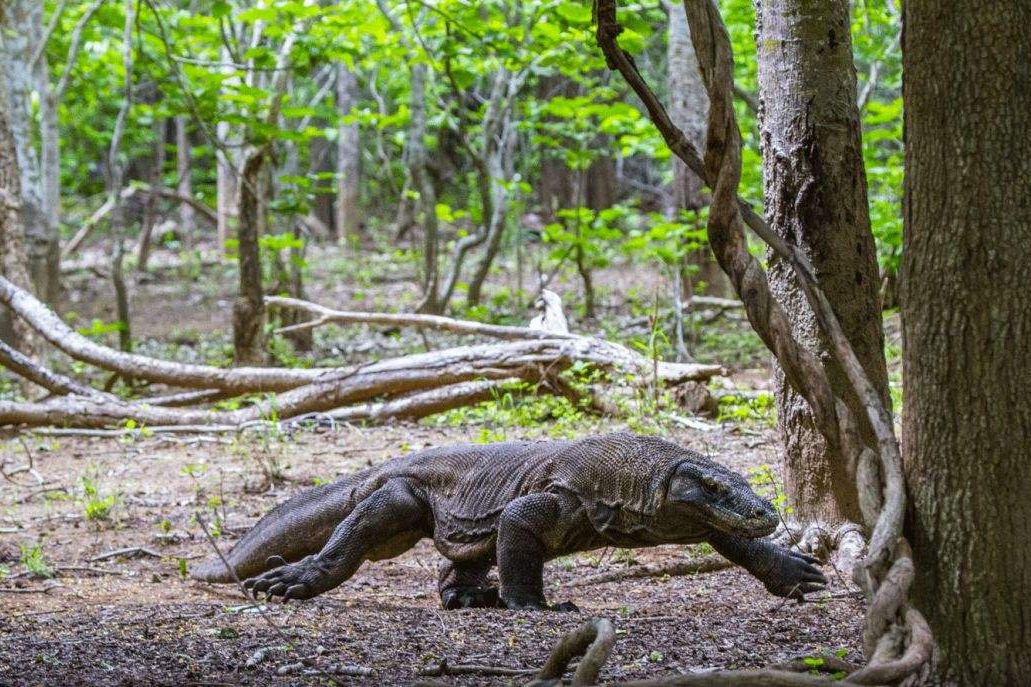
70	616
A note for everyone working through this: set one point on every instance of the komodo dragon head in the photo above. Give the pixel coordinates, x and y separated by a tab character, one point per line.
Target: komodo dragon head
720	498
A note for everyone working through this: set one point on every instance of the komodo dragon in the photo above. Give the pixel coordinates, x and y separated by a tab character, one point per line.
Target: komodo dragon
518	504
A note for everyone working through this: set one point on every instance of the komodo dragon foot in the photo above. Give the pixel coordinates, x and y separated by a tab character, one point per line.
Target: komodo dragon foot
304	579
794	575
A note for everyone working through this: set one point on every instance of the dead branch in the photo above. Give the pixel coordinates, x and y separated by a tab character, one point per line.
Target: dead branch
323	399
24	366
442	668
604	353
698	566
593	640
129	552
126	193
256	605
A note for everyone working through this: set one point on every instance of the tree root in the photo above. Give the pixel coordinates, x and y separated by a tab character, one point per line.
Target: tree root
593	640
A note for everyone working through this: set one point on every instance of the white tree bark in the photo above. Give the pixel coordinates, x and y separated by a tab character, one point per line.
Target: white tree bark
184	187
21	35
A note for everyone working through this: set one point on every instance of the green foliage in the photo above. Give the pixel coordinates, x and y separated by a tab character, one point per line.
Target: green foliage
759	410
96	506
35	561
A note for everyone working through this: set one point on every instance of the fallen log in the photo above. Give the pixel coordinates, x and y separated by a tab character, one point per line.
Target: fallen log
74	411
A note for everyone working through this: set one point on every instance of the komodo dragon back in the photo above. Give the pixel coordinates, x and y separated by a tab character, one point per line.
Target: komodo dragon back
301	525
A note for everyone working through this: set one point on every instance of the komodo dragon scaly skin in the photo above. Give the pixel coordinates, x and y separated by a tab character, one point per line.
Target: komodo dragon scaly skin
518	505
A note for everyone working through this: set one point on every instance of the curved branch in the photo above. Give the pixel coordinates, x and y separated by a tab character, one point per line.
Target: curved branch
593	640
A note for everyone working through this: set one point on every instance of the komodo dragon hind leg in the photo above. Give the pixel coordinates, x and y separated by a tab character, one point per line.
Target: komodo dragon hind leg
391	515
465	585
523	529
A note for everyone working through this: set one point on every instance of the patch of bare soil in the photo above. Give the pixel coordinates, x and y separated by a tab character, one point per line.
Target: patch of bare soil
136	621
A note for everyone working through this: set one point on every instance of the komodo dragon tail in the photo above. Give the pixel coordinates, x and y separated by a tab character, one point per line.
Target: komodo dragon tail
294	529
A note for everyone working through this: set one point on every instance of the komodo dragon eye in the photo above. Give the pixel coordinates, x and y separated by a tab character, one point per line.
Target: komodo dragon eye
711	485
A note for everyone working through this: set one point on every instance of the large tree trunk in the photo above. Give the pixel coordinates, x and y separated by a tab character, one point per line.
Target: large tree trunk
967	331
22	26
815	190
348	158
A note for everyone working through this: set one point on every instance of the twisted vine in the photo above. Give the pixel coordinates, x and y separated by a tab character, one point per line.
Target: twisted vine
897	639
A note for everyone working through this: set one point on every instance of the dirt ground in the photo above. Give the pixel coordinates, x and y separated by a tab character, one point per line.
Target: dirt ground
136	621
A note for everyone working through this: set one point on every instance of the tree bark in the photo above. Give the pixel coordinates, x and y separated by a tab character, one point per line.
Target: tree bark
12	232
348	159
815	191
184	187
966	321
150	212
415	150
22	29
249	307
226	180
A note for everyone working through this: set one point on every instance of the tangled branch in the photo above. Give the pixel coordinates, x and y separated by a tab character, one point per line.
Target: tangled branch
897	640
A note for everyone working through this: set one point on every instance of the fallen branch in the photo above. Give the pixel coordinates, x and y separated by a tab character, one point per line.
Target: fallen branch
24	366
129	552
599	351
738	678
323	398
698	566
128	192
443	668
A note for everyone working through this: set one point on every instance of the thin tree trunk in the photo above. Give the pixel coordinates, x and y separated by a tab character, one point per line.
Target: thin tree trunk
184	187
116	175
966	316
150	211
417	159
815	190
226	178
249	307
50	163
348	159
688	108
499	147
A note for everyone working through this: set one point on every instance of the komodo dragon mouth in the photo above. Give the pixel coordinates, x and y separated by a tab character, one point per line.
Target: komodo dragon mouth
517	505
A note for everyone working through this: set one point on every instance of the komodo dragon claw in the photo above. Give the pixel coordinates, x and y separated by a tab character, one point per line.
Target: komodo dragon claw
302	580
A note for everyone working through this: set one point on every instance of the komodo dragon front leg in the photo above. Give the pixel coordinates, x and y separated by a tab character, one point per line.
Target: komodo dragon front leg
527	529
783	572
384	525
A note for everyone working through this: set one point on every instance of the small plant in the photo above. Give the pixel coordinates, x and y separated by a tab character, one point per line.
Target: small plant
34	561
97	507
764	480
